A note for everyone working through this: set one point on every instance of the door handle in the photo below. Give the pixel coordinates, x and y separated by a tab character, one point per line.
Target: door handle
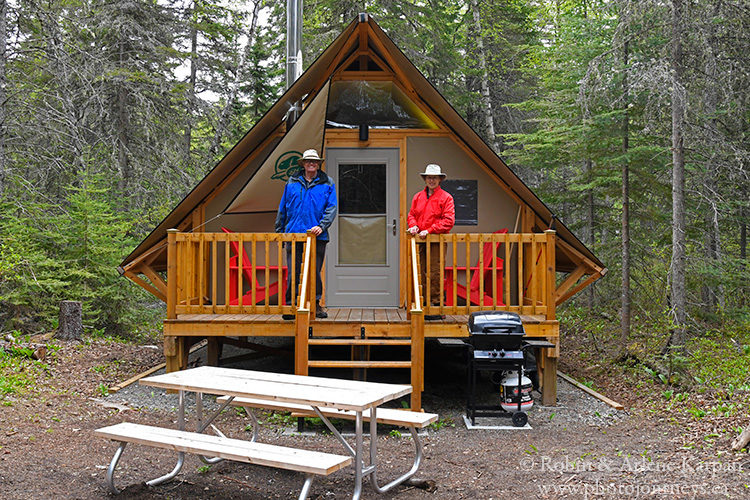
394	227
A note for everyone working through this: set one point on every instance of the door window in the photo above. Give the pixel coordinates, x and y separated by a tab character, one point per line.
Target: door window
362	214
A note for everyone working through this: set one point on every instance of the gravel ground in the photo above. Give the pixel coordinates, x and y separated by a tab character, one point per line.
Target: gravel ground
444	392
580	448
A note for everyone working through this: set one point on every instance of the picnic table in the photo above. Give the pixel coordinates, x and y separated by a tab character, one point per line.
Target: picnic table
325	397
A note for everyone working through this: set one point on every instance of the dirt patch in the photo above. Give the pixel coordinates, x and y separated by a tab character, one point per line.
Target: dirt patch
579	448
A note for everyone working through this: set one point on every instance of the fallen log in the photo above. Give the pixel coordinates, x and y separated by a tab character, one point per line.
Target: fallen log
27	349
742	440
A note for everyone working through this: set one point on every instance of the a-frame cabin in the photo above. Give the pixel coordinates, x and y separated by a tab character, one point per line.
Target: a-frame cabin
378	122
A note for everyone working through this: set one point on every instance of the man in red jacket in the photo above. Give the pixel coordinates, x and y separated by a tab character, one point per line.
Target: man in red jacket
432	212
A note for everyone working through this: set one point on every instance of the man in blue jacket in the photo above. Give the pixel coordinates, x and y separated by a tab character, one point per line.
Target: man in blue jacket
308	203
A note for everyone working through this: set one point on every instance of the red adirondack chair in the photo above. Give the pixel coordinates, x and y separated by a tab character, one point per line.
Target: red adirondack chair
247	276
489	251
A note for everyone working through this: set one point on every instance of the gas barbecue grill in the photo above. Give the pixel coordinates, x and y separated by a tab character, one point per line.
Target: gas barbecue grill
496	344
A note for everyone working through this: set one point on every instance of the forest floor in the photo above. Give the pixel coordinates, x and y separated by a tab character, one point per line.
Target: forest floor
657	448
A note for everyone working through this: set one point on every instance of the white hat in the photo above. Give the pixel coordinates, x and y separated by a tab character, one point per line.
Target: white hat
310	154
433	169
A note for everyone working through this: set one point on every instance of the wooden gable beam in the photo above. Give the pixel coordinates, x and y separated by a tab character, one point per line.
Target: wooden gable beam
362	49
156	280
581	286
146	257
571	280
150	289
577	256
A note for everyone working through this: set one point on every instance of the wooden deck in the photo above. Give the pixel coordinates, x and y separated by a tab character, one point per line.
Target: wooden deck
345	321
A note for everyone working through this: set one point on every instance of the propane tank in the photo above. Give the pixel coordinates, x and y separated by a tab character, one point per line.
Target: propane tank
509	392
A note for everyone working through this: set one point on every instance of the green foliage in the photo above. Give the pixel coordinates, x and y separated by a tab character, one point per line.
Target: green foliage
103	390
70	251
19	374
440	423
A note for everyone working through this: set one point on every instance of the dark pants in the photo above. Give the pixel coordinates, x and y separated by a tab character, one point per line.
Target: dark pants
434	291
299	253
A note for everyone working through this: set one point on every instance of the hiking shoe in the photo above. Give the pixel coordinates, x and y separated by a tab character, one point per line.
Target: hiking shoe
320	311
287	317
433	317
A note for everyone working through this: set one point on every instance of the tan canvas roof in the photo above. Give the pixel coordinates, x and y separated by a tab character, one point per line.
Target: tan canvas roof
309	84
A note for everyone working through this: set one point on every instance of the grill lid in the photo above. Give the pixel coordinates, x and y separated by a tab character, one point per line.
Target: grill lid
495	323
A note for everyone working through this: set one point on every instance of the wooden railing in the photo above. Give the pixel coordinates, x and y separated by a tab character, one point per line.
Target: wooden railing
235	273
508	272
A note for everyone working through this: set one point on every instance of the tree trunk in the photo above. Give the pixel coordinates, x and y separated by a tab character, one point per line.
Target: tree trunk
485	78
3	59
678	294
625	290
191	85
232	97
123	159
589	169
743	252
711	294
70	325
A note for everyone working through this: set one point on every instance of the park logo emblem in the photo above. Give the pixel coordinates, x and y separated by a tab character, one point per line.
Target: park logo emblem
286	165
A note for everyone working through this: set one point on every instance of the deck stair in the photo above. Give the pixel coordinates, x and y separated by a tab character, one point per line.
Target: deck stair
359	352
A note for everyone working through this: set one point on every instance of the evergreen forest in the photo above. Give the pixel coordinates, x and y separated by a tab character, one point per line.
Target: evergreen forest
629	118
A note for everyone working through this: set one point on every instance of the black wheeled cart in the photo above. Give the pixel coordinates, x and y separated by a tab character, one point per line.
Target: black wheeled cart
497	344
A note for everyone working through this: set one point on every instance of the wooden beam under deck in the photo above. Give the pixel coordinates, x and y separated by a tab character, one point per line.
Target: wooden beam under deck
342	322
358	324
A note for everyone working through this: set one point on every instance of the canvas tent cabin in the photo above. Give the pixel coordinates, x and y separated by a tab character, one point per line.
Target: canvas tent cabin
220	268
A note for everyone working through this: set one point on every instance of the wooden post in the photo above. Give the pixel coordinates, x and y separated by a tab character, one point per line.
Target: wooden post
312	280
417	357
551	274
301	353
550	355
170	343
213	350
305	303
171	273
70	325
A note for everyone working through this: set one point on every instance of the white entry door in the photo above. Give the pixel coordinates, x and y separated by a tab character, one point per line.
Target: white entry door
362	257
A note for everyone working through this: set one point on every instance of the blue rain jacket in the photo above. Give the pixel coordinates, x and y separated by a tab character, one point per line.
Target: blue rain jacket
304	205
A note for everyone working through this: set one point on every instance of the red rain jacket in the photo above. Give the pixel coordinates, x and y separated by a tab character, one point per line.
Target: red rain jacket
436	214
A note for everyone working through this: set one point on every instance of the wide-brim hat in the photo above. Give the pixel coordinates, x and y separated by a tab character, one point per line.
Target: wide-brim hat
310	154
433	169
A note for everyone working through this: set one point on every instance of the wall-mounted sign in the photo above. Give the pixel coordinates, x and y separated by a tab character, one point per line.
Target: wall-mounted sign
286	165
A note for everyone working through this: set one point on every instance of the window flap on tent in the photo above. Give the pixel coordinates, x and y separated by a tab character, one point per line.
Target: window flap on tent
373	103
262	192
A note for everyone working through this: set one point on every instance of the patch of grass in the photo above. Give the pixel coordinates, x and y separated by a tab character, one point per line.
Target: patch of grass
203	469
720	358
281	418
18	372
103	390
395	433
443	422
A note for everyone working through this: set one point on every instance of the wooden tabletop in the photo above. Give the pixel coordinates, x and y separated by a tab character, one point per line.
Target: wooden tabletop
314	391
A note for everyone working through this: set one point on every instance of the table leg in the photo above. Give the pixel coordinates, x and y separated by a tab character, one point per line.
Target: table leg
374	457
200	427
180	455
358	459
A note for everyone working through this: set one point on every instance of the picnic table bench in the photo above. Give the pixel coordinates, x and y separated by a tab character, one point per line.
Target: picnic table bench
309	462
322	396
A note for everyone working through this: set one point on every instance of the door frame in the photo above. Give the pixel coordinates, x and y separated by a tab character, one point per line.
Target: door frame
393	157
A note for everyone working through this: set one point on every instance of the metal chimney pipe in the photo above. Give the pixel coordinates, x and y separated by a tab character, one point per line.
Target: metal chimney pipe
293	41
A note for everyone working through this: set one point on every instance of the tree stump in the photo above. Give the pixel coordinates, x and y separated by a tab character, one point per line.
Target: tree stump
70	326
742	440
